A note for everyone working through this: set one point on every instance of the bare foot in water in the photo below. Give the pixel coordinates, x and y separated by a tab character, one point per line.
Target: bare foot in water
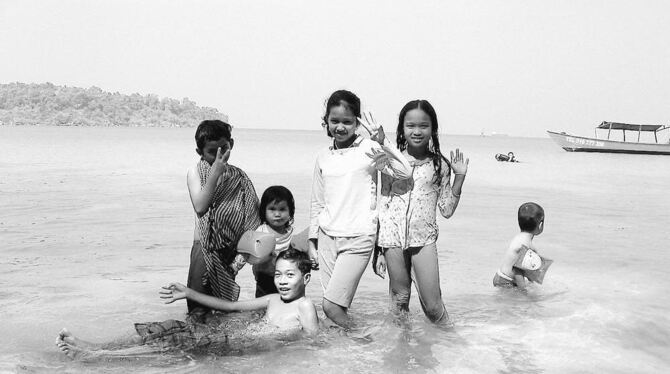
72	346
72	351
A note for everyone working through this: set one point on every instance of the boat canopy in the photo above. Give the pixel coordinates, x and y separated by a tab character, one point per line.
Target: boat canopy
625	126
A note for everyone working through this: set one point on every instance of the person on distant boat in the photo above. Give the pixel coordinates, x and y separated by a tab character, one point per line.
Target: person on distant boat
521	260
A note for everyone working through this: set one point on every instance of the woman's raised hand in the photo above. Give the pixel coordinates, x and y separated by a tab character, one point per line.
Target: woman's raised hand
458	165
173	292
376	131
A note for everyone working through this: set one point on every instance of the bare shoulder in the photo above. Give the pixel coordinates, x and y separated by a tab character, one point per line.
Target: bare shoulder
271	298
193	172
514	245
519	241
306	306
193	179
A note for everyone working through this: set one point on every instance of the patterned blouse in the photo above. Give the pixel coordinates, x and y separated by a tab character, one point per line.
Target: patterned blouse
407	213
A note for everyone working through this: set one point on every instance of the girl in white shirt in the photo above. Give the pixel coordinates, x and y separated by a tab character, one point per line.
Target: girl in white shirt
343	214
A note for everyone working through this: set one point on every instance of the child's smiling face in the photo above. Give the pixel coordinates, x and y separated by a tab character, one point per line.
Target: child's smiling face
289	280
417	128
342	124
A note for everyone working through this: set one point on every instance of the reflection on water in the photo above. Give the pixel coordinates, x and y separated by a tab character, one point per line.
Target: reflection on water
97	219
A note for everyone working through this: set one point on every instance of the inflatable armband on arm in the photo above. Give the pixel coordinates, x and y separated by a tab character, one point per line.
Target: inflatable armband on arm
300	241
258	245
532	265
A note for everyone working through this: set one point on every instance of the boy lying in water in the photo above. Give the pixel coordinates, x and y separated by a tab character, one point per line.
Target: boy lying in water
289	310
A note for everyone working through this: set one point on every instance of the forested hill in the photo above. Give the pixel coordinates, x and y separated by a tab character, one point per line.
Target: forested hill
48	104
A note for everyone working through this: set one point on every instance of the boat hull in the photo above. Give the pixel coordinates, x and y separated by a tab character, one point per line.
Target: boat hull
573	143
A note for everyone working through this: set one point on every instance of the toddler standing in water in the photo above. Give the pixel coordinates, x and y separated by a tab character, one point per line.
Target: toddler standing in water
407	218
343	216
276	211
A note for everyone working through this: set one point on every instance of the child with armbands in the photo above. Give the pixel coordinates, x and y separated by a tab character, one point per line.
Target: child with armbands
276	212
521	260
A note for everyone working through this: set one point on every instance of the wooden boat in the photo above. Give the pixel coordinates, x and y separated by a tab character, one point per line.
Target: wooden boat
572	143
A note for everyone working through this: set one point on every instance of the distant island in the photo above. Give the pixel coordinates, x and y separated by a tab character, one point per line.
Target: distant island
48	104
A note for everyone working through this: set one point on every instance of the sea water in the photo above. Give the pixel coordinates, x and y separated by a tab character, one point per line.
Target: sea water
94	220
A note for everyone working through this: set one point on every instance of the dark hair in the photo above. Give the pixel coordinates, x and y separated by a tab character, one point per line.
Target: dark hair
212	130
277	193
299	258
343	98
530	216
435	152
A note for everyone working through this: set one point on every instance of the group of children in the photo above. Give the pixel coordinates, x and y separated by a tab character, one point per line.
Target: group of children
349	223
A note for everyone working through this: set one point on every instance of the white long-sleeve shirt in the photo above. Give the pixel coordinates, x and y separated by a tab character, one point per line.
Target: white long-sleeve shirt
344	187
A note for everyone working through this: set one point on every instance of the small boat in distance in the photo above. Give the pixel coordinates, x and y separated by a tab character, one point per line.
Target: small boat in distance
573	143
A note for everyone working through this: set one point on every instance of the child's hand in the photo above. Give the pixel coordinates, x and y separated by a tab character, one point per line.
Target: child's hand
313	255
376	131
379	158
220	162
173	292
380	265
459	166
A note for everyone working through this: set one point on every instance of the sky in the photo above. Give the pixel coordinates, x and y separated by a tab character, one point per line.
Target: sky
511	67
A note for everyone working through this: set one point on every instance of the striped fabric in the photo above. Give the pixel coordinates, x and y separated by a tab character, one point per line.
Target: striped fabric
233	211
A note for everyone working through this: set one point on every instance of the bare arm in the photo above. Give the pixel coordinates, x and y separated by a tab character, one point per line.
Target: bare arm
201	196
176	291
308	317
316	206
316	203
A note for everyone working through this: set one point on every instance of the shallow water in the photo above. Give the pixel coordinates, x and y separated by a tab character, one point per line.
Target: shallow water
95	220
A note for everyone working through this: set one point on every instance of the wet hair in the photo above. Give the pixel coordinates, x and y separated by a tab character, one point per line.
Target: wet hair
343	98
530	216
212	130
301	259
434	151
277	193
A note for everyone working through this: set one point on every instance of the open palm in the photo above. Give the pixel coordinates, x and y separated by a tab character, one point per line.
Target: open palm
459	164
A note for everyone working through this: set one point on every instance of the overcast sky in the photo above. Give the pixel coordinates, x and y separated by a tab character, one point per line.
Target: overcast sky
515	67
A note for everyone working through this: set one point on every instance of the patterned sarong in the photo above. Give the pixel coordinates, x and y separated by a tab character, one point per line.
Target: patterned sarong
173	334
234	210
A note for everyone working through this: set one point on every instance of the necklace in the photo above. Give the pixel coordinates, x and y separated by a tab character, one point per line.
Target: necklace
349	146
